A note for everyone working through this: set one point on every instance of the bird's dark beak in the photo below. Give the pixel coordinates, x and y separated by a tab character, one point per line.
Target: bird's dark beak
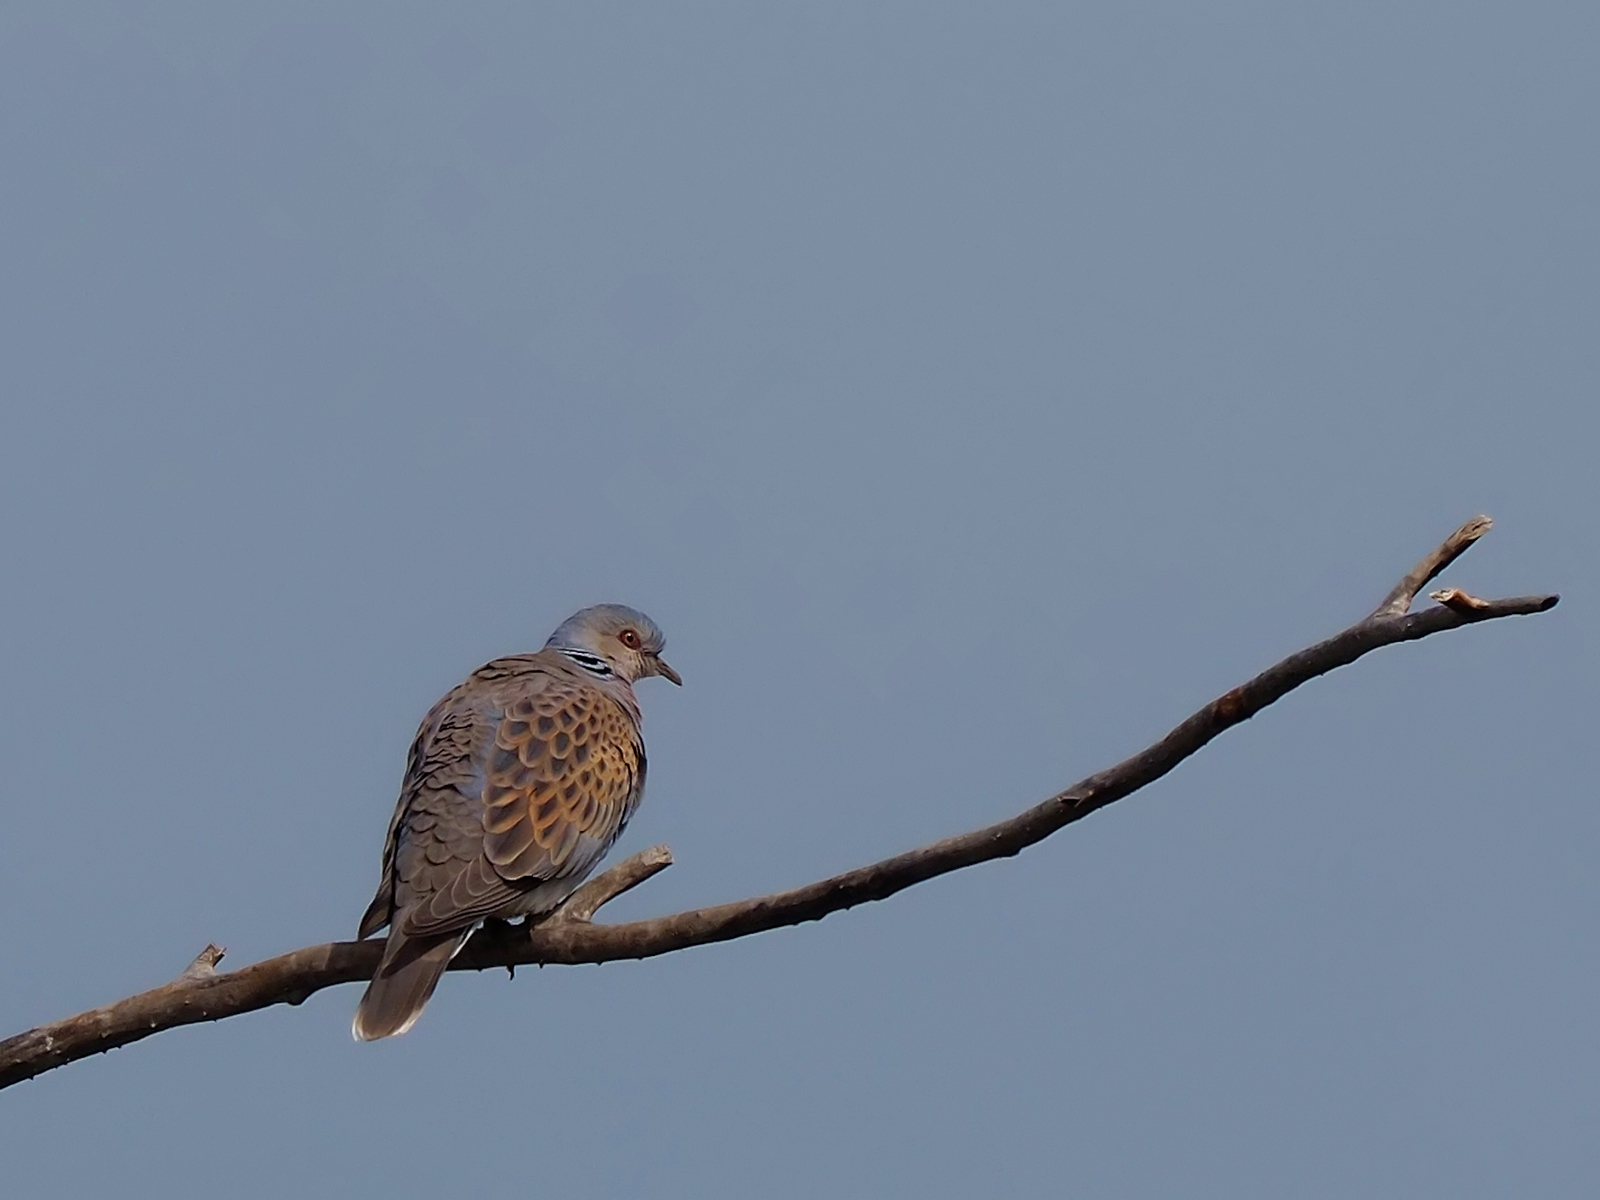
666	672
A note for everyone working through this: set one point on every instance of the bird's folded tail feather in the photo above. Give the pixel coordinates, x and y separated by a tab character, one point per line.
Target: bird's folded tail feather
410	970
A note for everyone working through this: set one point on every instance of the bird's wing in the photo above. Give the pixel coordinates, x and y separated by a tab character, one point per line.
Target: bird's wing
562	778
381	909
433	862
553	778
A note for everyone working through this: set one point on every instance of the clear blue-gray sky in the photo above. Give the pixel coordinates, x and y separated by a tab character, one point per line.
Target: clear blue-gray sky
970	392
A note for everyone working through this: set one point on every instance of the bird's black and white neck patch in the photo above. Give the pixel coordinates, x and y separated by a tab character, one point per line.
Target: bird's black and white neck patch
591	663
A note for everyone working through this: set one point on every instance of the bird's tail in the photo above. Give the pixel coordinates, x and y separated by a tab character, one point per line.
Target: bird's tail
406	977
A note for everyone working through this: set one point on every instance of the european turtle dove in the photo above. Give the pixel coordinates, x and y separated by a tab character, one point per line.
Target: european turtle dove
517	784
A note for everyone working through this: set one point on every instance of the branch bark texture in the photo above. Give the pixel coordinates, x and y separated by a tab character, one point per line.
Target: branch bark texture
202	993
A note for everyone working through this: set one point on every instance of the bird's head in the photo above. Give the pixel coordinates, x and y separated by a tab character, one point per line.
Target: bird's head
625	642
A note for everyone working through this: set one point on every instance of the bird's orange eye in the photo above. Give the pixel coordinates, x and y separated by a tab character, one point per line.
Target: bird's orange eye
629	638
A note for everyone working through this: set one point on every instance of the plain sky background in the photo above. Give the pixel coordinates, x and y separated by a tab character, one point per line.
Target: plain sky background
970	392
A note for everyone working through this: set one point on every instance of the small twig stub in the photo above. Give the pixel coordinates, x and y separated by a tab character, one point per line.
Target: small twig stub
1459	600
205	963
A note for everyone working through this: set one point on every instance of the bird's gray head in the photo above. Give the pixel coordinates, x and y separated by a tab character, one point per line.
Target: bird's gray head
613	639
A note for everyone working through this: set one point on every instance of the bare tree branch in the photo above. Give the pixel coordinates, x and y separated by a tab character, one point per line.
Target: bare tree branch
201	993
582	905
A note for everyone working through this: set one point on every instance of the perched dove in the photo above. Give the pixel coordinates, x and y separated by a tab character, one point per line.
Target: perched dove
517	784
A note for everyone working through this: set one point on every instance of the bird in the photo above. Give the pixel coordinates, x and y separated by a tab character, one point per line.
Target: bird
518	782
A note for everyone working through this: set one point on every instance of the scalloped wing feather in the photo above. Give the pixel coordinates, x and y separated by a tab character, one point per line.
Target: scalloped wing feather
564	774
